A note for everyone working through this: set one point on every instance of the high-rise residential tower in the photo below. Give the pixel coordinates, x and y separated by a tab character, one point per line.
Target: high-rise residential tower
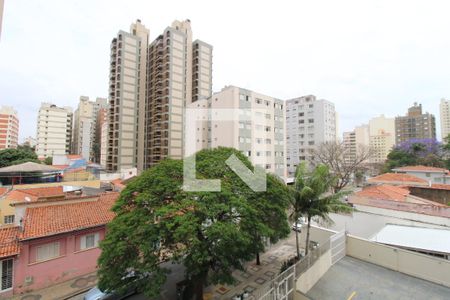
9	128
444	112
54	130
150	85
179	72
85	126
309	123
127	81
415	125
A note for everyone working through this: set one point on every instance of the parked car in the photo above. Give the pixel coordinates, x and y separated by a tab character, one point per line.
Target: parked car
297	226
96	294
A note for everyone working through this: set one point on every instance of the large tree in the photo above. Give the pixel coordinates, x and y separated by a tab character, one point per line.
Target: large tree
313	196
342	163
9	157
428	152
210	233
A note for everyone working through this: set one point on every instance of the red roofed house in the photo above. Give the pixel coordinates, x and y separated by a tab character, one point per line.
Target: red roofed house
430	174
398	179
59	240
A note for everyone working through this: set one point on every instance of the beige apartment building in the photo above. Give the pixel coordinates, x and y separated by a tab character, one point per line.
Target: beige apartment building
9	128
415	125
258	130
150	85
378	136
444	112
85	125
54	130
179	73
127	97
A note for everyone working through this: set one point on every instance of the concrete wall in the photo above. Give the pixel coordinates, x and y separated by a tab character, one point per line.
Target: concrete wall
418	265
440	196
308	279
318	234
404	215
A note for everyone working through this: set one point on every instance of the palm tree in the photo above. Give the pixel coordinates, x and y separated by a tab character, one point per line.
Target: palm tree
312	197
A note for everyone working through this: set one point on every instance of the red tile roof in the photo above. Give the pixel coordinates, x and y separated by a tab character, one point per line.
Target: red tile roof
421	169
398	178
3	191
118	184
45	192
384	192
61	167
54	219
440	186
73	156
9	243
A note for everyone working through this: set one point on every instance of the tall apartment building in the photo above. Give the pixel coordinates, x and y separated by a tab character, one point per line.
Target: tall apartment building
355	140
54	130
179	73
150	84
127	81
415	125
85	125
378	136
309	123
259	131
101	137
444	112
9	128
382	137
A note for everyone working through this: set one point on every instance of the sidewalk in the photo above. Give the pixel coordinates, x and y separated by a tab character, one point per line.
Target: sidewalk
63	290
254	277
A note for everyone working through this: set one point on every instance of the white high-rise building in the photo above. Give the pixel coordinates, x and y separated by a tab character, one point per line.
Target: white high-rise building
85	125
444	111
54	130
259	131
309	123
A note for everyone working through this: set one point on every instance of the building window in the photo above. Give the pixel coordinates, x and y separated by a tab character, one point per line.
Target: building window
48	251
6	269
8	219
89	241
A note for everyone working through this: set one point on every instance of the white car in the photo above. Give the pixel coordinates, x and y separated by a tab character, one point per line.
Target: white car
96	294
297	226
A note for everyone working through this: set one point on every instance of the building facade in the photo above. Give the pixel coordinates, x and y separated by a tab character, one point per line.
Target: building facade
309	123
150	85
179	73
54	130
259	130
9	128
127	82
84	137
415	125
381	137
444	112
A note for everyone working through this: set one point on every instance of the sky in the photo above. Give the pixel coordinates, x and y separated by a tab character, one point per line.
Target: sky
368	57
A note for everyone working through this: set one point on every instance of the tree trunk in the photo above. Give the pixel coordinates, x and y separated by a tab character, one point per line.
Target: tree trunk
307	235
258	262
296	242
199	287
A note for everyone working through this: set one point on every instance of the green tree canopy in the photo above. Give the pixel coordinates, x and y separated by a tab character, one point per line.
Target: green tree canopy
9	157
210	233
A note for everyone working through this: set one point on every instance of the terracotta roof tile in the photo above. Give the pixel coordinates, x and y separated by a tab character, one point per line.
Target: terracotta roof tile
49	220
398	178
51	191
384	192
9	243
440	186
421	169
73	156
3	191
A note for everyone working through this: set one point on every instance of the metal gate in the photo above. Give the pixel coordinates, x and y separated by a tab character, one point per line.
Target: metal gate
337	245
281	288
